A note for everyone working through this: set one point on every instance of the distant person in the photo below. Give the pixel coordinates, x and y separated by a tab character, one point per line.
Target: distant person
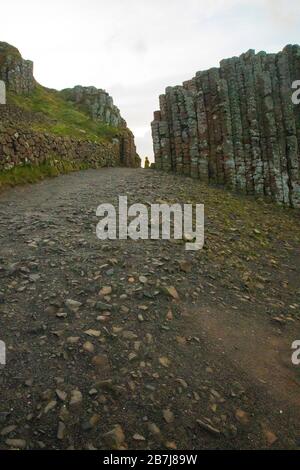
147	163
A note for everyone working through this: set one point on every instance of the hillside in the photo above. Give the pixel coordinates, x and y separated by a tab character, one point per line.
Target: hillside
42	128
65	118
66	114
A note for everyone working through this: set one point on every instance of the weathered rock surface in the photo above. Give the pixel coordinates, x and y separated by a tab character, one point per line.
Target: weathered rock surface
236	125
16	72
97	102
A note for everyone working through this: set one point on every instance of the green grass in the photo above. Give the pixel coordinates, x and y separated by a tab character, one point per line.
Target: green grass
32	173
64	118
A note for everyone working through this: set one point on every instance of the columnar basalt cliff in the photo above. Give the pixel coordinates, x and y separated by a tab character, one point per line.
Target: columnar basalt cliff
16	72
24	136
97	103
236	125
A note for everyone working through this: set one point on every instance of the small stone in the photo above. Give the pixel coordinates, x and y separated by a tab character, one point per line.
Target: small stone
94	420
100	361
138	437
171	445
117	329
8	430
124	309
76	398
164	361
61	315
106	290
16	443
279	320
172	292
168	416
51	405
153	429
115	438
132	356
185	266
61	431
169	316
208	427
182	383
93	333
242	416
73	305
103	307
270	437
61	395
129	335
73	339
89	347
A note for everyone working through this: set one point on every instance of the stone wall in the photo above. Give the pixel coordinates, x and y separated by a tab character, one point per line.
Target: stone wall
20	145
236	125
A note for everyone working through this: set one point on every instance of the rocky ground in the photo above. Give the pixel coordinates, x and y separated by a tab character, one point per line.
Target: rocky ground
140	344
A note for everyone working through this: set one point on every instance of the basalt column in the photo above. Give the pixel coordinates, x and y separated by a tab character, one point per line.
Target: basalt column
236	125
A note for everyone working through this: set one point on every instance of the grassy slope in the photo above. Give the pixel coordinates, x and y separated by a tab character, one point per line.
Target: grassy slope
32	173
66	119
63	119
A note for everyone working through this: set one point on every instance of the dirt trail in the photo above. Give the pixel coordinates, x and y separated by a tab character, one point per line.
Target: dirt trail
94	341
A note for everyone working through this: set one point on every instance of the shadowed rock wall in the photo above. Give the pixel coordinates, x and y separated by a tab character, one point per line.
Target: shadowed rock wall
236	125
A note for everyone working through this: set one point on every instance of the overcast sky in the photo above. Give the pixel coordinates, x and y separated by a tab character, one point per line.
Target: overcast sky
136	48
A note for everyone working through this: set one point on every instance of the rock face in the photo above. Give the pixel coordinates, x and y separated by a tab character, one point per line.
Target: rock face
16	72
236	125
98	103
100	106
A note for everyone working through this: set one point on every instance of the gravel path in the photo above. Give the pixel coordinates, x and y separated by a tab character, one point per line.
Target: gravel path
102	354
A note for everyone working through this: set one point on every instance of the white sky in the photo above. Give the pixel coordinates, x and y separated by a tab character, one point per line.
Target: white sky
136	48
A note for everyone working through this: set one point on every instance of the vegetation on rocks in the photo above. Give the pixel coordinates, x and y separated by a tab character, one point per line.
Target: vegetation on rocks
33	173
65	119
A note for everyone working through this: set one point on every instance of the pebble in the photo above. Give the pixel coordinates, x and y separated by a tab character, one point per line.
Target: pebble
89	347
168	416
76	398
16	443
115	438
